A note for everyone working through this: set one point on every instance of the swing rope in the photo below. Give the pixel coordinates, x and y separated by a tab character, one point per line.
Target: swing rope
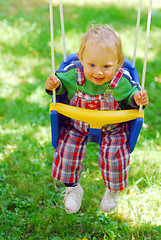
137	33
146	49
52	39
52	46
62	29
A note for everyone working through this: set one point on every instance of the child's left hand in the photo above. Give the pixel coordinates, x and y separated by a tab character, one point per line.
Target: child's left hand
141	98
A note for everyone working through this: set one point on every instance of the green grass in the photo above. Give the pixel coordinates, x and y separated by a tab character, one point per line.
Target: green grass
30	200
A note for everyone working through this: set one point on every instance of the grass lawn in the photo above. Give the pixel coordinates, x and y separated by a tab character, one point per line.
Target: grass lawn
30	200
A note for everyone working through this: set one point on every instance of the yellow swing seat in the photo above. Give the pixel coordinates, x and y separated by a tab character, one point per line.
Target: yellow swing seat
96	118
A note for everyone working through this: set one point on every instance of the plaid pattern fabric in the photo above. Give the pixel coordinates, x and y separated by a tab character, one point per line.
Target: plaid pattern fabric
114	157
80	77
114	152
67	158
115	81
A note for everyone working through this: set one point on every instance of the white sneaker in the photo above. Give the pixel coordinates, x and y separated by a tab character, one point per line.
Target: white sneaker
109	200
73	198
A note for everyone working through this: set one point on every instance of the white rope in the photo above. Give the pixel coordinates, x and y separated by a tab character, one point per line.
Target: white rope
62	28
52	46
146	49
137	33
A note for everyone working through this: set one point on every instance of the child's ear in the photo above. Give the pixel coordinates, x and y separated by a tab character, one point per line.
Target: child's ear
79	56
119	64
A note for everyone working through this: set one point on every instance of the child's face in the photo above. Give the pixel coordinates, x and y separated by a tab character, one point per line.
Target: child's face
99	64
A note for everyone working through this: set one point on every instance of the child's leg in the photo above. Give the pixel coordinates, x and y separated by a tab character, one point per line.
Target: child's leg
67	166
114	156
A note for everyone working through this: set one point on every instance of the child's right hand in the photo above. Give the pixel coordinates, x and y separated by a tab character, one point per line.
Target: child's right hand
52	82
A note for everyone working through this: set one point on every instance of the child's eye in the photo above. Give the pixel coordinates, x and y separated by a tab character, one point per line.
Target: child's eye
106	66
91	64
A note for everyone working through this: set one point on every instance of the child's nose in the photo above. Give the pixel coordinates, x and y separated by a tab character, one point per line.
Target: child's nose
99	71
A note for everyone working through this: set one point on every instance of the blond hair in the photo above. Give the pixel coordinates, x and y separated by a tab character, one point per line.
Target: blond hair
105	37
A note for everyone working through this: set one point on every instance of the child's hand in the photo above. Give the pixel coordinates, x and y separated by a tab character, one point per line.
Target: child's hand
52	82
141	98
